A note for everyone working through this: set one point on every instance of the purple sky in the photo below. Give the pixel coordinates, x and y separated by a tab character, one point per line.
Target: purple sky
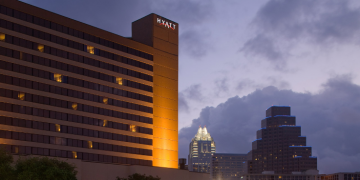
251	55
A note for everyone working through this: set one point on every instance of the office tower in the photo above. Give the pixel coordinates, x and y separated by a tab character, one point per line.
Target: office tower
343	176
228	166
201	148
279	146
71	90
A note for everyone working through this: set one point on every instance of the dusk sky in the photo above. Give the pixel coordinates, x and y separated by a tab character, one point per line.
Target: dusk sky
238	57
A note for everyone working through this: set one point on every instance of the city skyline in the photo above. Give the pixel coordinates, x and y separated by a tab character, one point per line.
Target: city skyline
256	54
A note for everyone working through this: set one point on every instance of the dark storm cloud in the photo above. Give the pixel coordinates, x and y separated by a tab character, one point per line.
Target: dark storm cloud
281	24
194	44
117	16
192	93
183	104
190	15
113	16
329	119
222	86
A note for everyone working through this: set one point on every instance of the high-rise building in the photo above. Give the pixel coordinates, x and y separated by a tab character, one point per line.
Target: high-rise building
71	90
228	166
343	176
279	146
201	148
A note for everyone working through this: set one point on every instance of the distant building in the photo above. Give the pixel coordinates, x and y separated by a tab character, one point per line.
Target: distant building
343	176
270	175
279	146
228	166
201	149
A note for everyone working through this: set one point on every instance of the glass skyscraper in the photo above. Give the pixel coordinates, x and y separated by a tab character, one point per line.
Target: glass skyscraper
201	149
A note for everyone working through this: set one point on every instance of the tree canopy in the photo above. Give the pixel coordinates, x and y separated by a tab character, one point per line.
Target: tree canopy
34	168
137	176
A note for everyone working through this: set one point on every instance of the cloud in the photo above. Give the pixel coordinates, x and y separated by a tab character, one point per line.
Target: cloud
191	15
281	25
194	92
194	43
222	86
183	104
117	16
330	120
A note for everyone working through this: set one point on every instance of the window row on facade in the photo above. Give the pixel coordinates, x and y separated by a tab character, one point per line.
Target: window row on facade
73	32
69	80
71	93
78	70
26	150
71	142
72	44
63	116
73	106
83	59
73	118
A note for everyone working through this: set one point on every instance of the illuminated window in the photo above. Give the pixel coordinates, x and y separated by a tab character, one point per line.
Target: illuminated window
90	144
91	49
105	100
41	48
119	81
132	128
58	77
74	155
16	149
105	123
2	37
74	106
21	96
280	177
57	127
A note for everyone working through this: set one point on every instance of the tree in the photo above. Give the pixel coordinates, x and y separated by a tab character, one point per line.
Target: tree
34	168
6	170
137	176
44	168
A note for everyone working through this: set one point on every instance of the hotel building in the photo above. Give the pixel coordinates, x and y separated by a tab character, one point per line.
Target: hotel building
74	91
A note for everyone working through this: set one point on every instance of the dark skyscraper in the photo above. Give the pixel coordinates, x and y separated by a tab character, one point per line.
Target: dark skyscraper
279	146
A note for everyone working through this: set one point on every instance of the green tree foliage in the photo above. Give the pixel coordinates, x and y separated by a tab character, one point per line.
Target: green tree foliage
6	170
34	168
43	168
137	176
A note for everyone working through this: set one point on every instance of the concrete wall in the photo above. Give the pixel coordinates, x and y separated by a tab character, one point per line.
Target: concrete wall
99	171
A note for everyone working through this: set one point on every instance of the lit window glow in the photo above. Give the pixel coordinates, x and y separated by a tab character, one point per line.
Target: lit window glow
74	106
74	155
132	128
91	49
57	127
105	123
41	48
58	77
105	100
119	81
2	37
21	96
90	144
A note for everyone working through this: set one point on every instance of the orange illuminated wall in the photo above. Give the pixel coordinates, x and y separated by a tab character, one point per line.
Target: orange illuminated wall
162	35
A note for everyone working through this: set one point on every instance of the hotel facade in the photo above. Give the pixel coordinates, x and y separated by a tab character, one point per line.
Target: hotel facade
74	91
